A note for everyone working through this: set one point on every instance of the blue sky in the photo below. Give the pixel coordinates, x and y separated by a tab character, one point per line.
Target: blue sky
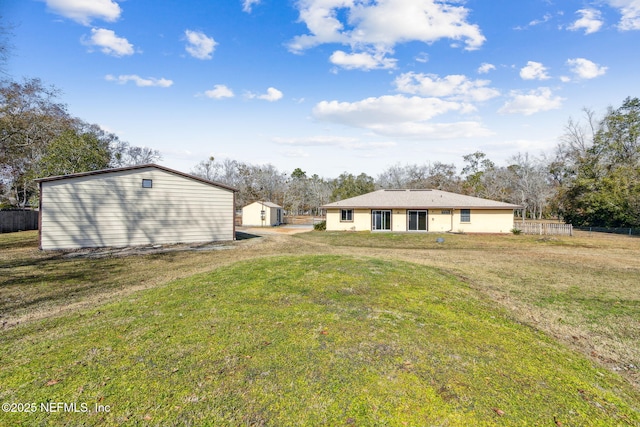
331	85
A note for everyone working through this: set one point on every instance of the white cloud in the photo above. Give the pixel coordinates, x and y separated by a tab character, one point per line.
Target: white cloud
295	153
199	45
422	57
364	61
247	5
139	81
455	87
586	69
272	95
380	25
84	12
590	20
219	92
333	141
534	71
485	68
544	19
316	141
630	10
534	101
388	108
109	43
454	130
402	116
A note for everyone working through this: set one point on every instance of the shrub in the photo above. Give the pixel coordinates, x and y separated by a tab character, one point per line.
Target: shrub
320	226
516	231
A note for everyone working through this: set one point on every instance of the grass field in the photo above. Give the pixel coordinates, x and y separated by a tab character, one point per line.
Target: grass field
338	329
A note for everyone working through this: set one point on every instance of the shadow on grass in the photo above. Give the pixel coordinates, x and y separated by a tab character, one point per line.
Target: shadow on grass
245	236
54	279
18	240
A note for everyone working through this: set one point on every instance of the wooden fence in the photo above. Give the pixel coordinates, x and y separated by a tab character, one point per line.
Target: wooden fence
544	228
301	219
18	220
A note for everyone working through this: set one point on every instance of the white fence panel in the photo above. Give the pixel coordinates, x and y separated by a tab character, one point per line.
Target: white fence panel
544	228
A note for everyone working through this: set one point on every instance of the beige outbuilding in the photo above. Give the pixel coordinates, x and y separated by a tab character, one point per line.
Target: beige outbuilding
261	214
130	206
420	211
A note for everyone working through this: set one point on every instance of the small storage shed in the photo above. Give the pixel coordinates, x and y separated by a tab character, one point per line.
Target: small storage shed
261	214
137	205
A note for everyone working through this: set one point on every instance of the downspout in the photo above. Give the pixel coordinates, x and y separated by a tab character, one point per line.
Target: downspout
40	215
452	213
233	212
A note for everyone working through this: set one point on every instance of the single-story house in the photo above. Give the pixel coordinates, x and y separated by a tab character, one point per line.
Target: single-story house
420	211
136	205
261	214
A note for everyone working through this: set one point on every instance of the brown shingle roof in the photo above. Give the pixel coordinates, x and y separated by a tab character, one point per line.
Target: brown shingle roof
418	199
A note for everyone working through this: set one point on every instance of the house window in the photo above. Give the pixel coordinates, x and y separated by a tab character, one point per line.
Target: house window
417	220
346	215
445	212
381	220
465	215
147	183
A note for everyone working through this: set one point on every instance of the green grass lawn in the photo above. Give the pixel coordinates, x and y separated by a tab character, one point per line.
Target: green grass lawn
582	290
306	340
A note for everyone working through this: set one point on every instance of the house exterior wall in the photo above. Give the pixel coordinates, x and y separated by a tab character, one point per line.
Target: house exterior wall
398	220
439	220
361	220
113	209
251	215
485	221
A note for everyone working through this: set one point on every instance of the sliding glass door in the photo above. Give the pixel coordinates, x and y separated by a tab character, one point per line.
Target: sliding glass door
381	220
417	220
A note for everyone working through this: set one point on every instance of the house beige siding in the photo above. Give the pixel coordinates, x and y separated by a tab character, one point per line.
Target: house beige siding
399	220
113	209
252	215
361	220
439	220
484	221
444	212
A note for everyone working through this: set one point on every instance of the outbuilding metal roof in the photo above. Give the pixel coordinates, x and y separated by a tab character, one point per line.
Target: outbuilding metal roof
136	167
418	199
267	204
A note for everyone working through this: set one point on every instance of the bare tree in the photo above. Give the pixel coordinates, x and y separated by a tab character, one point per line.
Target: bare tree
5	44
442	176
125	154
438	175
531	188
